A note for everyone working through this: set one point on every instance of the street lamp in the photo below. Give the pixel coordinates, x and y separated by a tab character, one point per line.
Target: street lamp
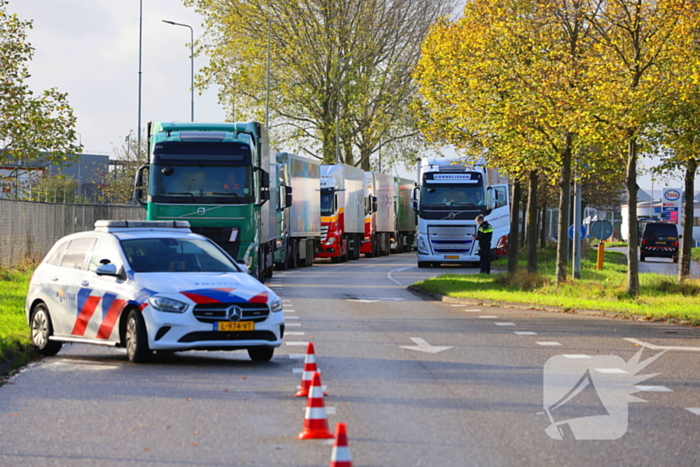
267	79
191	60
138	133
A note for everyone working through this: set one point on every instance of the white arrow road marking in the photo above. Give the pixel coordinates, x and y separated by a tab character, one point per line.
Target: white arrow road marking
694	410
660	347
654	388
396	270
423	346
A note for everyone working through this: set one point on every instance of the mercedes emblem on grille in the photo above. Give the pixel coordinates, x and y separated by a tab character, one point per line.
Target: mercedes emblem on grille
234	313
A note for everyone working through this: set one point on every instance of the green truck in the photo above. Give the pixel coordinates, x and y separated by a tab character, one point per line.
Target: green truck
217	177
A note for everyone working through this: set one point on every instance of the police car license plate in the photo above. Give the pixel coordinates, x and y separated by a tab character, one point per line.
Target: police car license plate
235	326
451	256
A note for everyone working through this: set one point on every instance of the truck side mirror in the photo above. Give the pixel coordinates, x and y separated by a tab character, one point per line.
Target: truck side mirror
288	198
138	183
374	204
414	205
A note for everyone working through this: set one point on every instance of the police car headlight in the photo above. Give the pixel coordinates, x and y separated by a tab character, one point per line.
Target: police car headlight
167	304
276	305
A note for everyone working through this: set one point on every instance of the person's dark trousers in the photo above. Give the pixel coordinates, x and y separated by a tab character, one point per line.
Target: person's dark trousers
485	263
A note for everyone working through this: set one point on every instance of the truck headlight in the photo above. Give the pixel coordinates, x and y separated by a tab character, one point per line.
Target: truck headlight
167	304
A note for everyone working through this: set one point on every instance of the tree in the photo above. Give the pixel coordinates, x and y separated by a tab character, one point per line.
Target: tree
340	74
34	130
117	185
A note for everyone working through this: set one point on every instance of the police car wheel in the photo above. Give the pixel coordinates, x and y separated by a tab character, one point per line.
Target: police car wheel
136	339
261	354
42	330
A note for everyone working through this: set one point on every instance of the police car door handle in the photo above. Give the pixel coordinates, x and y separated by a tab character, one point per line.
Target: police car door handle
84	283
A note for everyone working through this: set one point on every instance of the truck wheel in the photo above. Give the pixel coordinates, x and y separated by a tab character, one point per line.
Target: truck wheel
335	259
423	264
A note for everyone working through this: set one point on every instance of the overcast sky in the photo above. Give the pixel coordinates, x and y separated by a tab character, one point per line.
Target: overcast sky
90	49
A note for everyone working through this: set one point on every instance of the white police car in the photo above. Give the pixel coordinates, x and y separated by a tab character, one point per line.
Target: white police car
149	285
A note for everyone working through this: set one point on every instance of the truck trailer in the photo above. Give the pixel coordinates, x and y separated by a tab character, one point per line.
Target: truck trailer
380	221
406	221
216	176
298	211
451	194
343	206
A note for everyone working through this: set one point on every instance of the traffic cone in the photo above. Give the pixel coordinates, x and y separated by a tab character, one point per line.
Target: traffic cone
309	369
315	419
340	456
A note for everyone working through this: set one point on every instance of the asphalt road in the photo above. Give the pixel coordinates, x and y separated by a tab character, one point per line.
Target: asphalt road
418	383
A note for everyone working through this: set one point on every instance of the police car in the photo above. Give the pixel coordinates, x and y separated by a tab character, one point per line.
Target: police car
149	285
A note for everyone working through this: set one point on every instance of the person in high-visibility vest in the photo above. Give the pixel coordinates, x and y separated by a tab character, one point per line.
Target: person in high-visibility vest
483	235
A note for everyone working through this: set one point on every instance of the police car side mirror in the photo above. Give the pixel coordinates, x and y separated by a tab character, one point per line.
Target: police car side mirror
107	270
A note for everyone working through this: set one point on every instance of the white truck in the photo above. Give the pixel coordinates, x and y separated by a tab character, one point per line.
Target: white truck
450	196
343	207
380	220
298	210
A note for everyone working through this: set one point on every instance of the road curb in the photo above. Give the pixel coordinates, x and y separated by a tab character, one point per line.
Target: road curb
547	308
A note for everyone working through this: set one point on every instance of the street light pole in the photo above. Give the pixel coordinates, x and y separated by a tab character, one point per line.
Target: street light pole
138	133
191	62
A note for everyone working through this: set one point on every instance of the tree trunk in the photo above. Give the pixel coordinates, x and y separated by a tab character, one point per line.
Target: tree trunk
632	224
514	226
564	195
543	230
687	240
532	223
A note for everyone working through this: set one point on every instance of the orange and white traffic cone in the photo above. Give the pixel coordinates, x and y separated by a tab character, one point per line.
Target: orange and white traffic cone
309	369
315	419
340	456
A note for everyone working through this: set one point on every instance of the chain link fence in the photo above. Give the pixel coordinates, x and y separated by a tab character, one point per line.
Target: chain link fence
29	229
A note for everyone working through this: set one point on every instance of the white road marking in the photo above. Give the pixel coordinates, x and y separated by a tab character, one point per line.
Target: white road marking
660	347
294	333
611	371
396	270
504	324
295	356
296	343
458	305
286	301
488	317
575	356
363	301
472	311
525	333
293	324
291	317
423	346
694	410
288	311
548	343
654	388
276	286
297	370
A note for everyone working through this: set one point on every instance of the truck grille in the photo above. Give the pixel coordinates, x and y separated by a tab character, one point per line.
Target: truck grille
212	312
451	238
324	232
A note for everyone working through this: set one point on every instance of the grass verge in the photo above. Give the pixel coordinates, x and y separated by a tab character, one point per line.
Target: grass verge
15	345
660	297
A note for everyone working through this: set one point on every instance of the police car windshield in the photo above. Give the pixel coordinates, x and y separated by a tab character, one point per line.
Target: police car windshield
176	255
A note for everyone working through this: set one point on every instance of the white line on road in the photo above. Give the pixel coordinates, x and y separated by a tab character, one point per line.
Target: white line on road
695	410
293	324
472	311
548	343
396	270
576	356
654	388
504	324
288	311
660	347
296	343
291	317
525	333
488	317
294	333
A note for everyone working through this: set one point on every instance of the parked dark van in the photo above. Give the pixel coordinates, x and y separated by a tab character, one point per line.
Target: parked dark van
660	239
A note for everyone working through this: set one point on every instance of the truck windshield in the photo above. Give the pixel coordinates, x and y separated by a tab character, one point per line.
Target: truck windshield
327	204
197	181
451	195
